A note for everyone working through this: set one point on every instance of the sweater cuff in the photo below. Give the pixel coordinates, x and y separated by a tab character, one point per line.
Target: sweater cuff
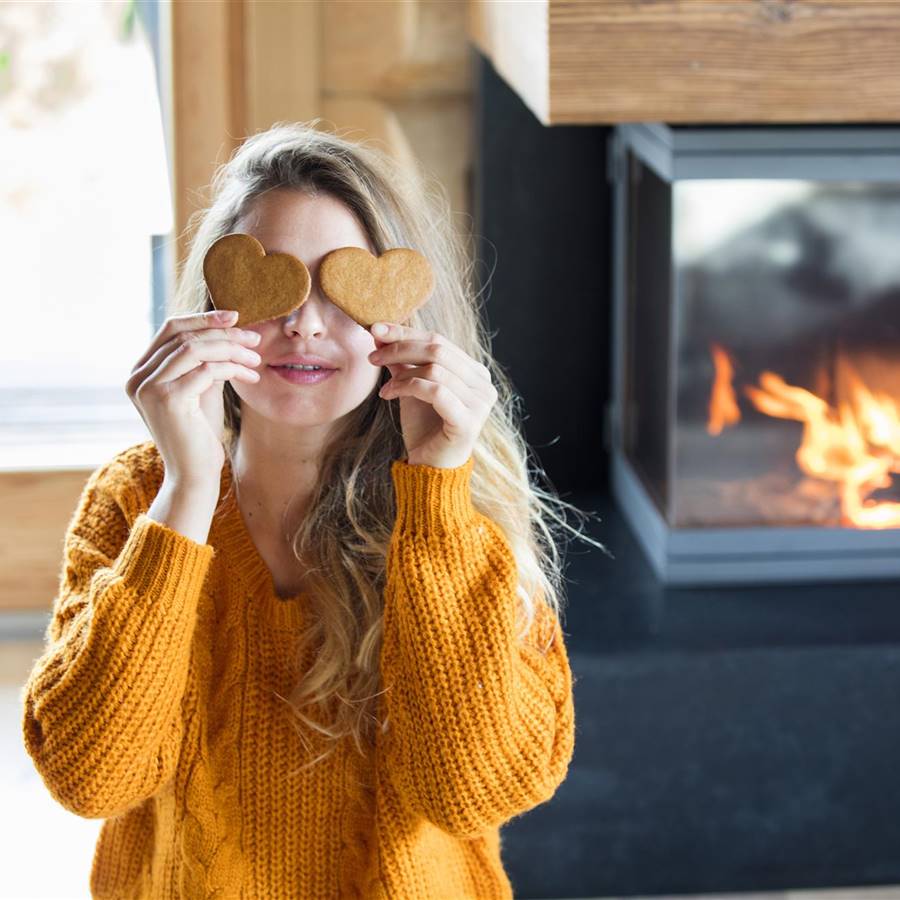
431	499
157	560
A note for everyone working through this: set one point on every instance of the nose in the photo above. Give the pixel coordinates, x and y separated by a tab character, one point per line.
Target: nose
306	318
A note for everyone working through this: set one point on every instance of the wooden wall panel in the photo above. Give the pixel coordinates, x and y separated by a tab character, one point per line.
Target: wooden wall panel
282	60
209	106
400	73
31	539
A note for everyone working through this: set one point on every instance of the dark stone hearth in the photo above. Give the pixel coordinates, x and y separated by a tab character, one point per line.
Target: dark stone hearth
726	740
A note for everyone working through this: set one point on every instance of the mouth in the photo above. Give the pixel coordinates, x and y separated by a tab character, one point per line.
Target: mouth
302	376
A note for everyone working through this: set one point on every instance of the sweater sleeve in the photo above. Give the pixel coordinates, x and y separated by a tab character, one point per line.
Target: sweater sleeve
481	724
102	704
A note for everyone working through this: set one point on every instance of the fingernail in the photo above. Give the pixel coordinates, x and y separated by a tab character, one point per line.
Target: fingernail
379	329
228	315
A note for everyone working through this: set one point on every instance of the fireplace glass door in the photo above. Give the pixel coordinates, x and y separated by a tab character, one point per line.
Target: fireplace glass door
759	342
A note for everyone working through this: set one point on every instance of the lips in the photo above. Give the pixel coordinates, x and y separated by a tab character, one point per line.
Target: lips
303	376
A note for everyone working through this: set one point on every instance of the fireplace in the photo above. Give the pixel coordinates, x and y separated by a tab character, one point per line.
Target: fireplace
755	419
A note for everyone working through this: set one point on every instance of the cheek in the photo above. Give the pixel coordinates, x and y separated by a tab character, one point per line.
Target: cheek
365	377
366	374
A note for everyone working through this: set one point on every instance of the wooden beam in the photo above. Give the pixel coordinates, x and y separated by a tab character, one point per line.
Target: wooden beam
697	61
514	36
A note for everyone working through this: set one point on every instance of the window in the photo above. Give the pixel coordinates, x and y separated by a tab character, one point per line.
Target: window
86	187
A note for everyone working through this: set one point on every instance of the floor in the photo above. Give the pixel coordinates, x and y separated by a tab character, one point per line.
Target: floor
34	821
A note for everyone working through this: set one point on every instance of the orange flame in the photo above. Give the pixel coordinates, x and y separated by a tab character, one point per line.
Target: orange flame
723	408
856	445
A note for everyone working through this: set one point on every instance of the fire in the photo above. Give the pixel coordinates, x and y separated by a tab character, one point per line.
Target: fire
723	407
855	444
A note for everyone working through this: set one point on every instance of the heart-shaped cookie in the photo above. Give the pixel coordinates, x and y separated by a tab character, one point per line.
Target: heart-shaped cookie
241	275
386	288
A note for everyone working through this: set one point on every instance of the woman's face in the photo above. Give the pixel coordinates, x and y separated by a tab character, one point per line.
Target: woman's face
292	221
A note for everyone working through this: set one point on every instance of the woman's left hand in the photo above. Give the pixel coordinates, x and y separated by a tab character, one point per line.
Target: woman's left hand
445	395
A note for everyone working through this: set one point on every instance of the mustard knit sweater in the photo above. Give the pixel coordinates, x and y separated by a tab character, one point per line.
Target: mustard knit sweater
154	706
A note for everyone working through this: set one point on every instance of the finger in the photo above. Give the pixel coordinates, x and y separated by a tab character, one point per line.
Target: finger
179	355
393	331
198	380
439	375
446	404
175	324
443	352
203	322
396	332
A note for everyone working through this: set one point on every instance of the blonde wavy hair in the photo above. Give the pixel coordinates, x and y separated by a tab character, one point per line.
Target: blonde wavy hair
344	538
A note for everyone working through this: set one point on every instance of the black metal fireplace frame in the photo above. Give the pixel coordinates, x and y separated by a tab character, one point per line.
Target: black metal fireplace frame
705	556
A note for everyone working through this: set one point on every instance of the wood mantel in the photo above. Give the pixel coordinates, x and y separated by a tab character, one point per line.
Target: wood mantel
696	61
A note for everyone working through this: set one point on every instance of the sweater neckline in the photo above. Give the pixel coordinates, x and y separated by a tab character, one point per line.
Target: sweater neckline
249	565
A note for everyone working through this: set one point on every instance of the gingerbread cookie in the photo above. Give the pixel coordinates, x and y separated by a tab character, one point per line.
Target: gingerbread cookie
386	288
241	275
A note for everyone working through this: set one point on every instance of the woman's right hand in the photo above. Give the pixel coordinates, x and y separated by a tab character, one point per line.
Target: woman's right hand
178	388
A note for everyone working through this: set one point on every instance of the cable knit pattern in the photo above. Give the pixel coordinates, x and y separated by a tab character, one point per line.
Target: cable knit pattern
357	820
211	827
155	706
